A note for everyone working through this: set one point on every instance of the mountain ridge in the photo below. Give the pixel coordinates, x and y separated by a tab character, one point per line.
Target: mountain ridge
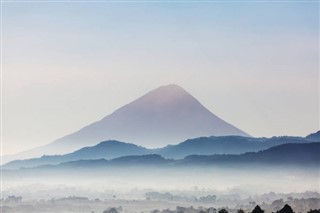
305	155
197	146
314	136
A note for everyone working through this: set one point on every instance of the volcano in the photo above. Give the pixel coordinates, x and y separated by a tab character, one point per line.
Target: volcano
166	115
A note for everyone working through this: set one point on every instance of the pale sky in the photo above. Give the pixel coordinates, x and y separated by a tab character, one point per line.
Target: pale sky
66	65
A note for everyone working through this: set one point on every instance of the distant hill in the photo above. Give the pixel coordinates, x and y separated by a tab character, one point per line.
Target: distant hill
166	115
314	137
199	146
224	145
106	150
300	155
286	154
135	160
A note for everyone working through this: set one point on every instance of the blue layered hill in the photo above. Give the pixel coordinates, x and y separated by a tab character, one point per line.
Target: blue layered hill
225	145
285	154
106	150
299	155
198	146
315	137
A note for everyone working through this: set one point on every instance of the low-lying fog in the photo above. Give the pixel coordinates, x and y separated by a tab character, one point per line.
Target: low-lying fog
103	182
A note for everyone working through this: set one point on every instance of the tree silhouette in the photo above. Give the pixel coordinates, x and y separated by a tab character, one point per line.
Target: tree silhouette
110	210
286	209
314	211
257	209
223	211
240	211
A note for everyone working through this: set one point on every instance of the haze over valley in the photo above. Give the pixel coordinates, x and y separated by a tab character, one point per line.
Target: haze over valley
159	106
228	160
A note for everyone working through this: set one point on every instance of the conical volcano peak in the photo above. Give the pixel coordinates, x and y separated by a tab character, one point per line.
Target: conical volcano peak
165	115
165	96
171	88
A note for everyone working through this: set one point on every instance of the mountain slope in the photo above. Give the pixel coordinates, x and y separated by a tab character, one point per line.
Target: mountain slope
286	154
224	145
299	155
197	146
163	116
105	150
314	137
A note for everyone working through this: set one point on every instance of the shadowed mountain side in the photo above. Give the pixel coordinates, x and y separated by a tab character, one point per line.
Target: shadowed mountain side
315	137
224	145
152	160
197	146
163	116
105	150
286	154
305	155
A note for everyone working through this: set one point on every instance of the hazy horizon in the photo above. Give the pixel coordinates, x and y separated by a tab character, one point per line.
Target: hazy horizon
253	64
